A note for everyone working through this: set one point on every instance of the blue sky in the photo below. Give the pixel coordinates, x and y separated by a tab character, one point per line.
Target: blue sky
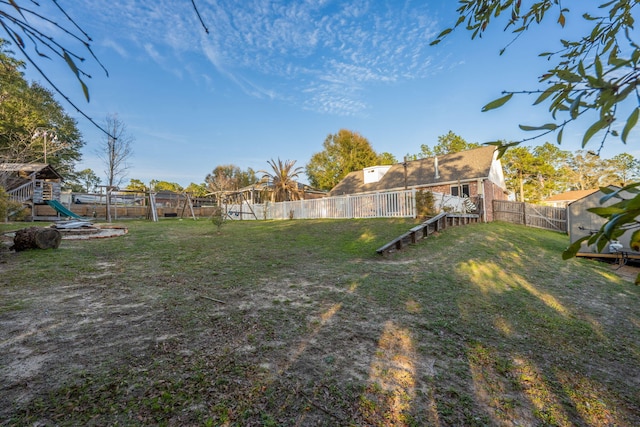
273	78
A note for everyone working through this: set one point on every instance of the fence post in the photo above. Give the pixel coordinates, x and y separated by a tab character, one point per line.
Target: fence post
524	213
414	205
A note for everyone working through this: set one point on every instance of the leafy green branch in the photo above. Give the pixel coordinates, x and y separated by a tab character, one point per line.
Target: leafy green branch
27	21
598	72
21	24
622	215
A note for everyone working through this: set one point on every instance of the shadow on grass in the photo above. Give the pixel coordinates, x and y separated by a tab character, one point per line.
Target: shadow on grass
548	341
482	325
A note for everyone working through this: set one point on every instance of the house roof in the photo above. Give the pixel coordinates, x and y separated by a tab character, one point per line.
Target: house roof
42	170
570	196
462	166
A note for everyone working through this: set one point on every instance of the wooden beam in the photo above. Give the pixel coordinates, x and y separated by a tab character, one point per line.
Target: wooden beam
435	222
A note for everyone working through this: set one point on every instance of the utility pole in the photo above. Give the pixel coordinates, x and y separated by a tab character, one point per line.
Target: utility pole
44	132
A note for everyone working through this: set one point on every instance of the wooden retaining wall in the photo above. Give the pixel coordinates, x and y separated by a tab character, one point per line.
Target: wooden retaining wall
422	231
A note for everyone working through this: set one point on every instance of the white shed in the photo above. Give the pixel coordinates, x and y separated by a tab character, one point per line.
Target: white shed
582	223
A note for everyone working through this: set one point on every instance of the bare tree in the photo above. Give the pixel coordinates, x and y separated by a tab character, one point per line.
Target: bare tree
115	151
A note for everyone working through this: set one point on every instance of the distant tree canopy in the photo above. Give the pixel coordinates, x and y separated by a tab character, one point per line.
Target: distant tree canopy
166	186
196	190
343	152
536	173
84	181
136	185
449	143
527	173
622	170
229	178
29	115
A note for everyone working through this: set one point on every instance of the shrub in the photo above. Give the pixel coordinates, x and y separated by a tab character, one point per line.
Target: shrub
425	203
9	208
218	217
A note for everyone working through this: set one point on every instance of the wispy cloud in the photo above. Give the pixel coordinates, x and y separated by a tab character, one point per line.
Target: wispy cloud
120	50
152	52
324	55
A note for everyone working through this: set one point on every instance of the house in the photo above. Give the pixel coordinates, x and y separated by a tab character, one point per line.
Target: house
562	200
583	223
476	173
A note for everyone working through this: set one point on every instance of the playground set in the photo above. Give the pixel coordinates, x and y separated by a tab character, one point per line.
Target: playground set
36	190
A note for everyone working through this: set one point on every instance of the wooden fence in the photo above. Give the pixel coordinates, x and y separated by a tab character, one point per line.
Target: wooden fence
547	217
391	204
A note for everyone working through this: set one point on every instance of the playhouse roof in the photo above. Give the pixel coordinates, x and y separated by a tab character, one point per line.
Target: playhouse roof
41	170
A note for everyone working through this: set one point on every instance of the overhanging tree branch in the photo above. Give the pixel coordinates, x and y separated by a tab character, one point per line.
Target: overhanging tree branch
51	83
15	20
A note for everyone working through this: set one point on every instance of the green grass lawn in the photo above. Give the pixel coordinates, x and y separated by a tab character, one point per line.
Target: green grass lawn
302	323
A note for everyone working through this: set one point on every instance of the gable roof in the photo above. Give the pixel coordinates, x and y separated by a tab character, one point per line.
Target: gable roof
569	196
462	166
41	170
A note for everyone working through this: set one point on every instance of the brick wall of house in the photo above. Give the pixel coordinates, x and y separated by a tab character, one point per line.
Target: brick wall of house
446	189
491	192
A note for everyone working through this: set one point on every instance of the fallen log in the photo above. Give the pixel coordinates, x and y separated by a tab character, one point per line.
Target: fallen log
36	238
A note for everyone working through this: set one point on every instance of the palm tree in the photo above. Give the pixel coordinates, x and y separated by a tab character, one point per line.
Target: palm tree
283	180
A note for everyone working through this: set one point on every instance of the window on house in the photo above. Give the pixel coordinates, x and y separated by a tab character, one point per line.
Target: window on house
460	190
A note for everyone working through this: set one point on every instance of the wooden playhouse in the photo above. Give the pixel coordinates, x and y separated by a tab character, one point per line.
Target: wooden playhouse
32	185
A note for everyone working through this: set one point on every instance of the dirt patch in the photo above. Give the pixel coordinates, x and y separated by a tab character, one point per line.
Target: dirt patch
98	232
628	272
143	332
69	329
95	323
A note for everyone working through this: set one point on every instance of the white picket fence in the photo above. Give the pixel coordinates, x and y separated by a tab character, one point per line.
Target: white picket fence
399	204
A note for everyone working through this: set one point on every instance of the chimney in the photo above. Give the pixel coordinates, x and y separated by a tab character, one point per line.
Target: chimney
435	167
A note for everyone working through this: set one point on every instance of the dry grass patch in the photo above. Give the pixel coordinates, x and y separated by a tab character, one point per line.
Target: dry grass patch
302	323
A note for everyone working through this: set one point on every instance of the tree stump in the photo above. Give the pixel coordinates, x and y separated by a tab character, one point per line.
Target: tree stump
36	238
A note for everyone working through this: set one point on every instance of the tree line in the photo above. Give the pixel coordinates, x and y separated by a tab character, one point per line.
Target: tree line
343	152
535	173
532	173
